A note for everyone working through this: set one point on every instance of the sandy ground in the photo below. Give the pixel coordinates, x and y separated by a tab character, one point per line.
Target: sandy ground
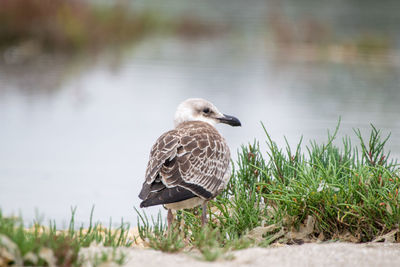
330	254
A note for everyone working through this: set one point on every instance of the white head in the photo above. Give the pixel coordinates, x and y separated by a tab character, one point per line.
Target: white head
197	109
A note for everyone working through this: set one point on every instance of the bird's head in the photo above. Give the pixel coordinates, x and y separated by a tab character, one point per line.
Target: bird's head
197	109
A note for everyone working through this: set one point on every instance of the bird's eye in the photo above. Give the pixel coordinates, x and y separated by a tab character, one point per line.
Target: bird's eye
206	110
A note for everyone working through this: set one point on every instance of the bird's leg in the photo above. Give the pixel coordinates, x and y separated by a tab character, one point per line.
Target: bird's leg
169	218
204	214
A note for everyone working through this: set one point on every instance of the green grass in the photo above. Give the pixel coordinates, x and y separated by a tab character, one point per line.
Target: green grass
347	190
157	236
41	246
315	192
285	195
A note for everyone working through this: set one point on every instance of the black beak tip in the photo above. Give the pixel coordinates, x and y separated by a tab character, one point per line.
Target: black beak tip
236	123
231	120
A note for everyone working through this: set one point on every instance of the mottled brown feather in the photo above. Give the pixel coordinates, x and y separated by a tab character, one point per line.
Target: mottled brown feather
193	156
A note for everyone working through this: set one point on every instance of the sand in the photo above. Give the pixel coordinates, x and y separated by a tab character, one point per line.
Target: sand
328	254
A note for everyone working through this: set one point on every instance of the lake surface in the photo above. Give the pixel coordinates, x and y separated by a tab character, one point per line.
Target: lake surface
78	131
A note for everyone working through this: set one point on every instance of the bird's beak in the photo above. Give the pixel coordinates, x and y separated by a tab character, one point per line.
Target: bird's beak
232	121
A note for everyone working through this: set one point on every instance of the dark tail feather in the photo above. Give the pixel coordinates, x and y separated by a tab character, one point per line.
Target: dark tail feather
145	191
166	196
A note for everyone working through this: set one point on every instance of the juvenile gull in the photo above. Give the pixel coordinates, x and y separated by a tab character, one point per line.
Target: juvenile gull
191	164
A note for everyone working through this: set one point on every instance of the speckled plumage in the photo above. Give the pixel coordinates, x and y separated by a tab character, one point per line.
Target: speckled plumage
191	161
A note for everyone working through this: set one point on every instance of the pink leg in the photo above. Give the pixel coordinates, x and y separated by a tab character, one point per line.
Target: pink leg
169	219
204	214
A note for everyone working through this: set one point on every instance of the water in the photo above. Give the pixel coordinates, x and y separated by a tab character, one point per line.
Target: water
77	132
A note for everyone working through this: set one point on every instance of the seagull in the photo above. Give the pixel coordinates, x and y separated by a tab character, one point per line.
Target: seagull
189	165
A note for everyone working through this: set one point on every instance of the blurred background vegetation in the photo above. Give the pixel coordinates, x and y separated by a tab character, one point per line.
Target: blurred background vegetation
76	25
68	24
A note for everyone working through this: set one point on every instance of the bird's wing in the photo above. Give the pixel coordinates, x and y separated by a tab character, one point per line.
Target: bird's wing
162	152
200	164
186	163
